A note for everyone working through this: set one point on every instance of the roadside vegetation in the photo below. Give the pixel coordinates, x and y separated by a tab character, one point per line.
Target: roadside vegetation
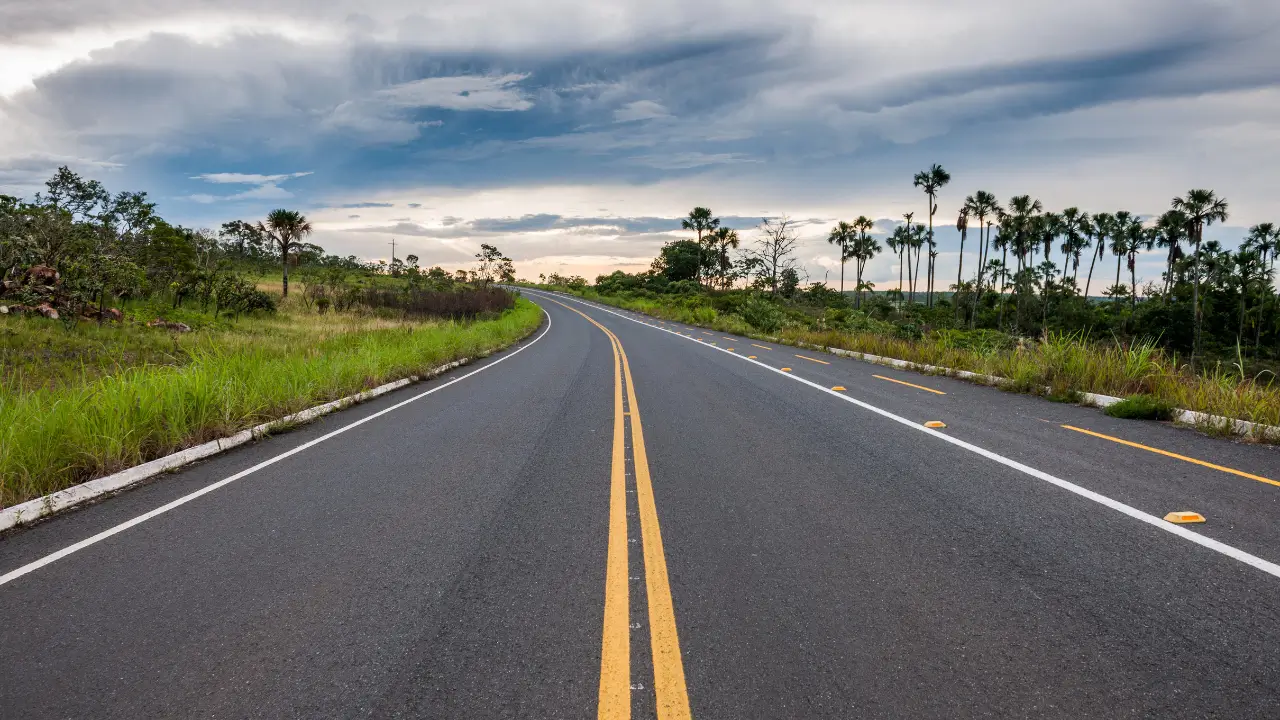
1205	337
123	338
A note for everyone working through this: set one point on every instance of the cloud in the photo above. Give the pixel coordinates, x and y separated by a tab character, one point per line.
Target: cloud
461	92
267	186
247	179
640	110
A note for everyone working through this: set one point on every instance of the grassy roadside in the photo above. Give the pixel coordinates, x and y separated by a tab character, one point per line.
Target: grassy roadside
136	396
1067	364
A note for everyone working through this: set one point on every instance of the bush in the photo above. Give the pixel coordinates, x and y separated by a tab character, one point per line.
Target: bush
459	304
1141	407
761	315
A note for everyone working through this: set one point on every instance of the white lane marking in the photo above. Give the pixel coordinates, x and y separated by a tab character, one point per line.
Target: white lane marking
58	555
1265	566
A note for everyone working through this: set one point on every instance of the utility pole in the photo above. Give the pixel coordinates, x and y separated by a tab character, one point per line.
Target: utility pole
393	251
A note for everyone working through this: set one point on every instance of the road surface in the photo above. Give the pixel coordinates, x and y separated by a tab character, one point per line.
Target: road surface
621	517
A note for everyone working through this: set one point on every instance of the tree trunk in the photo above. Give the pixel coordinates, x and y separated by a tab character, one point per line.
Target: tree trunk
910	282
1093	258
1004	273
1195	302
285	254
900	274
1133	283
858	290
842	272
960	271
1116	301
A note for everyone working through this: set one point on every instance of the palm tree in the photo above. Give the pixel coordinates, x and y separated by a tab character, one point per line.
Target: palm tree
962	224
842	235
1171	230
1139	238
286	228
864	248
931	181
907	245
1102	225
1120	243
982	205
896	243
702	222
724	238
1202	208
1073	241
917	237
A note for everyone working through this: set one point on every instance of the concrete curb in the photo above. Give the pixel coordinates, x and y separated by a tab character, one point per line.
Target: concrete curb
41	507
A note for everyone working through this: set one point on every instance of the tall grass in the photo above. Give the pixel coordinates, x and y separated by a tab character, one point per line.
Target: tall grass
55	436
1065	363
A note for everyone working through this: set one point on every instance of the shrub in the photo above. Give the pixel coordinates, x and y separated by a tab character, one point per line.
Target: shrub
761	315
1141	407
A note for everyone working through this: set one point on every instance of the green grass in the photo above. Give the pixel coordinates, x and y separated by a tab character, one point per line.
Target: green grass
89	402
1067	363
1141	407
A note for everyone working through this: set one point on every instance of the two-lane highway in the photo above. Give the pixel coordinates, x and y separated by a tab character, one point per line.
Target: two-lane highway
615	519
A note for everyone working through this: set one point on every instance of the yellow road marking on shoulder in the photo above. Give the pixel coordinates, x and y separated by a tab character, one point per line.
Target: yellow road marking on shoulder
1176	456
802	357
839	388
786	369
751	357
918	387
761	346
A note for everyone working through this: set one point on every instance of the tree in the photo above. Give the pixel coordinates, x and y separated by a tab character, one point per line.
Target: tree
775	249
1121	235
702	222
842	236
679	260
1073	224
962	224
1103	223
1170	232
931	181
494	265
285	228
864	248
1201	208
724	238
982	205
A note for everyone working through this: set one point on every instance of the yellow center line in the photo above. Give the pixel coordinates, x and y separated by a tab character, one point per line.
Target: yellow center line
1176	456
726	338
761	346
615	666
902	382
824	362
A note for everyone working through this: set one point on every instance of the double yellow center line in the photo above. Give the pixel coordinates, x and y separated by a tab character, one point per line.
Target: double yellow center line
615	652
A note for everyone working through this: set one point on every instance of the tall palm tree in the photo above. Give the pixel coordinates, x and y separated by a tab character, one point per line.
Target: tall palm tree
962	224
931	181
286	228
864	248
896	243
1120	244
724	239
1139	238
917	238
985	207
1102	225
908	246
1171	230
700	221
1202	208
842	235
1073	222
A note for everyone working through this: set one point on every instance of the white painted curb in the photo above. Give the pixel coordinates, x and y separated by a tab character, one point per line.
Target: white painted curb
33	510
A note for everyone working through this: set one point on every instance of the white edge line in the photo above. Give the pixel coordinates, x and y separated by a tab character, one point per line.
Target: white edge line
1220	547
58	555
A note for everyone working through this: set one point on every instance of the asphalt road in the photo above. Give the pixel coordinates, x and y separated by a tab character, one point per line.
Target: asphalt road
619	518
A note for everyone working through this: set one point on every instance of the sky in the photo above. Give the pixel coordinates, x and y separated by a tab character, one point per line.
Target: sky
574	135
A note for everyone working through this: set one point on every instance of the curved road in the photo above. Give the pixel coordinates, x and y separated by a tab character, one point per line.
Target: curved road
623	517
